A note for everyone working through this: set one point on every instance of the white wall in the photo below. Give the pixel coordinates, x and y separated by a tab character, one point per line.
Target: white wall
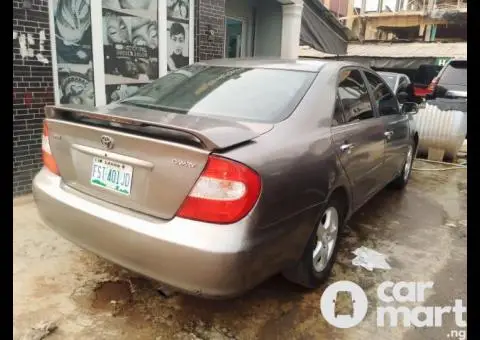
268	32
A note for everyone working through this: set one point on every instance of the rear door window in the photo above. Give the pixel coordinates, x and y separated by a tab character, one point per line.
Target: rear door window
404	81
354	96
403	85
455	73
382	94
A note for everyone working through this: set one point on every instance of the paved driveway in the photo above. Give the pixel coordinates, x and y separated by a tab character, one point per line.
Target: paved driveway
423	231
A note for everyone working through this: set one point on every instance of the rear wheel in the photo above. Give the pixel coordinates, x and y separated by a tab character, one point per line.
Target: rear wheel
402	180
320	253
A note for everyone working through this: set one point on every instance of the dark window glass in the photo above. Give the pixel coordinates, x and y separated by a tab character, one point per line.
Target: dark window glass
255	94
403	82
383	96
425	74
403	85
354	96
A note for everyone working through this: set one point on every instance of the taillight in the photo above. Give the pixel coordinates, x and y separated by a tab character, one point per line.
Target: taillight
225	192
47	156
433	84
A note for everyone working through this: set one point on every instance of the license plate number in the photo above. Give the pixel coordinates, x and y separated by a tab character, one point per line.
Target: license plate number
111	175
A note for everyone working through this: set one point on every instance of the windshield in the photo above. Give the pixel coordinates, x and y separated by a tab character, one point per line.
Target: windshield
256	94
455	73
390	80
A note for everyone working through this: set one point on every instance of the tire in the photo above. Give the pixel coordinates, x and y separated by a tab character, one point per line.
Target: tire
307	272
401	181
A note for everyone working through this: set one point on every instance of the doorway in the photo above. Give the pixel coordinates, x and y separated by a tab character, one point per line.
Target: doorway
234	38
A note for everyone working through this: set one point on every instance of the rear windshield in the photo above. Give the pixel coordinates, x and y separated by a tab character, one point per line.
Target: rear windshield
254	94
455	73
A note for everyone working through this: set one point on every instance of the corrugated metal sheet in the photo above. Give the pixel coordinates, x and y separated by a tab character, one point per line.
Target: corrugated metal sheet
398	50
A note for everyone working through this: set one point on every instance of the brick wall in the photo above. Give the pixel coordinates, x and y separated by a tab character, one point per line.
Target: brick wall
33	80
209	14
32	90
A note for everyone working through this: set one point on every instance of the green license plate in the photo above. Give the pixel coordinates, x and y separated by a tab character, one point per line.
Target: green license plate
112	175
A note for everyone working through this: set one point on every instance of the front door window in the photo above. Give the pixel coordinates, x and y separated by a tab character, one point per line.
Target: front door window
233	38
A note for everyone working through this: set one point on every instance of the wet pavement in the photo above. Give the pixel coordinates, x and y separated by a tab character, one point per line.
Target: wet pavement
422	230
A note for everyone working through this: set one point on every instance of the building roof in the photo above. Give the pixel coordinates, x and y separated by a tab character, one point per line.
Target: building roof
397	50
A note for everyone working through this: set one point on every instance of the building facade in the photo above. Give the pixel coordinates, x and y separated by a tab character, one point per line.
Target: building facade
408	20
94	52
414	37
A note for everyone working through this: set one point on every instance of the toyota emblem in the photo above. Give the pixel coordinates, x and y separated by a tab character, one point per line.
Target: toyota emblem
107	141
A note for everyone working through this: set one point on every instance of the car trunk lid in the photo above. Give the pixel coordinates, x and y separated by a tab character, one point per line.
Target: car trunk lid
142	159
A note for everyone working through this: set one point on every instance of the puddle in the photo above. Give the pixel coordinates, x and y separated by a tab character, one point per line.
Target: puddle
108	293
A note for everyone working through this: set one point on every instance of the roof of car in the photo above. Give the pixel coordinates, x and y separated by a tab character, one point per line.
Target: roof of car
307	64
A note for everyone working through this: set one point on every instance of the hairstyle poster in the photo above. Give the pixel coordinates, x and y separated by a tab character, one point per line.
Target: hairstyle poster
178	45
130	43
73	40
178	10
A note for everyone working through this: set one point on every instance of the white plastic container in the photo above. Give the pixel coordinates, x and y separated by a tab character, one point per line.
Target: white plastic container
440	129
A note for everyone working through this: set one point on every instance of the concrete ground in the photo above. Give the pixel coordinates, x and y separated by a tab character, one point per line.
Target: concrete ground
423	231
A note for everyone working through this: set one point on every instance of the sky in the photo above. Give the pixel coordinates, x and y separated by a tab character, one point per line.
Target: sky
372	5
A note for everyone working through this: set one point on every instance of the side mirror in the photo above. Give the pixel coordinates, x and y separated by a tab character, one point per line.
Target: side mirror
410	108
402	97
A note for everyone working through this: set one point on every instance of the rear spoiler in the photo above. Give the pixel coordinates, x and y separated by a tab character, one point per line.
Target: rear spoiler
213	133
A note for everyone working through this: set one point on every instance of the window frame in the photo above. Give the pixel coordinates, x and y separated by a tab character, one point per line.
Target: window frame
337	96
372	97
341	108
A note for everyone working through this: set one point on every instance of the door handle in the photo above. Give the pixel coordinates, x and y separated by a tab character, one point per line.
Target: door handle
388	134
346	147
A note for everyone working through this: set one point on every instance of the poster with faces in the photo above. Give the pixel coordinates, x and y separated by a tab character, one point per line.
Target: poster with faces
178	10
73	41
130	43
178	45
178	15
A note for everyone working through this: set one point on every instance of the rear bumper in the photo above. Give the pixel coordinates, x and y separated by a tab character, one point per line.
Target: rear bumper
194	257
